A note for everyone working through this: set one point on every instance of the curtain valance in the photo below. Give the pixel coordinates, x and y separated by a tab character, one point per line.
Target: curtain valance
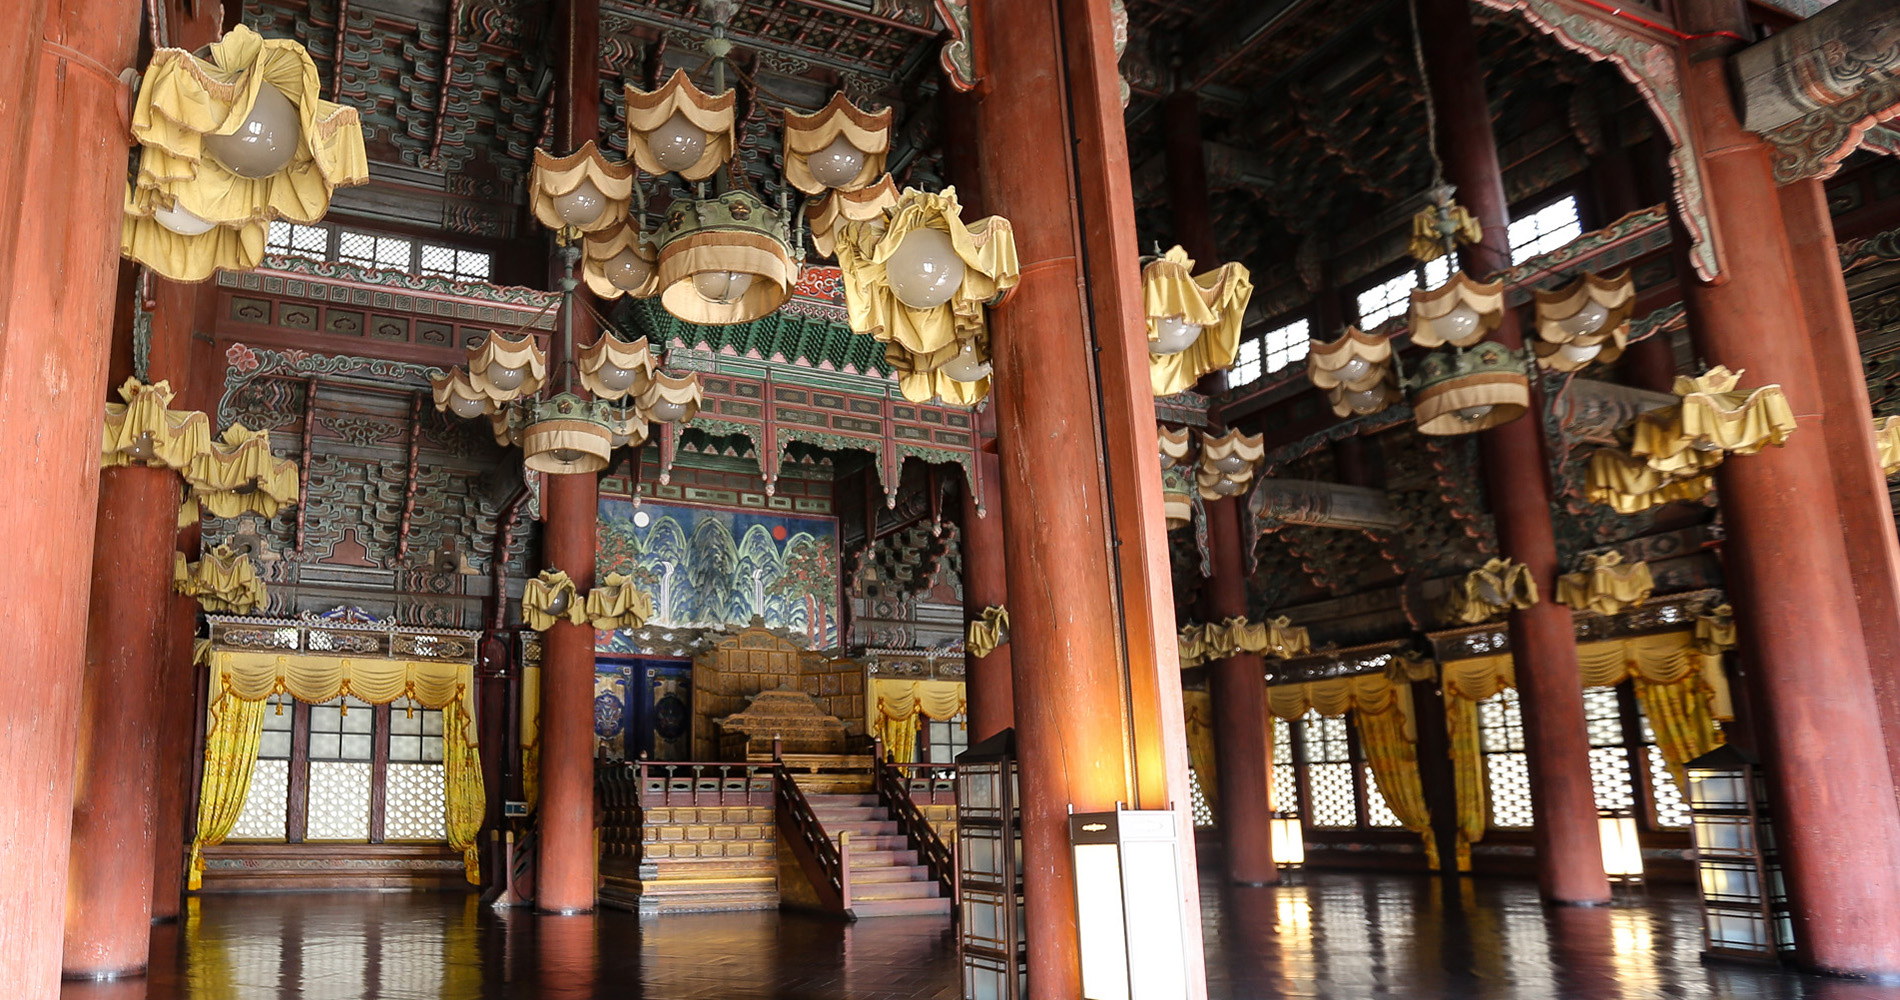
899	703
1371	694
255	676
1664	658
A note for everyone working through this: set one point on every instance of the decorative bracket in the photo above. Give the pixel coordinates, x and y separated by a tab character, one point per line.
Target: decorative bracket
959	53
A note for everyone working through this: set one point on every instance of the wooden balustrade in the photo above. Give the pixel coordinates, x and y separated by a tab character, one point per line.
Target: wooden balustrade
894	784
826	865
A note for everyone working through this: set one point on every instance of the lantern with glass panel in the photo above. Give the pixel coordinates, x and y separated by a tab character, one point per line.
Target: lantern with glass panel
989	872
1744	899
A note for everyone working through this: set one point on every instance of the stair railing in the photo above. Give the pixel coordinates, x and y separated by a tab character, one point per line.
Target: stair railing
891	781
826	864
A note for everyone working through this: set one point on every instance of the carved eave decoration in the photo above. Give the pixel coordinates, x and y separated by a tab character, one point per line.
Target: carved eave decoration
182	100
920	342
600	247
1616	296
557	176
1484	593
239	474
497	351
612	352
1481	301
221	581
551	597
1216	301
987	631
619	604
824	215
144	430
1606	585
1887	443
868	131
648	110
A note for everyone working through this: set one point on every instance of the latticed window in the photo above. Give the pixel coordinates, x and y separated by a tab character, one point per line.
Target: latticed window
943	740
266	810
1246	363
1197	802
1393	296
1329	772
1377	812
452	262
1286	773
346	771
1610	773
288	239
1665	796
1544	230
1507	770
392	253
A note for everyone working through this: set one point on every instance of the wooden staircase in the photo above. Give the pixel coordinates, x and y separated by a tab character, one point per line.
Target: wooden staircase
887	878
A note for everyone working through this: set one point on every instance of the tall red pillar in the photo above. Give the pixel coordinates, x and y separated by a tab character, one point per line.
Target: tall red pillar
988	679
1097	692
1860	485
1243	736
1789	571
1517	485
565	879
57	279
109	892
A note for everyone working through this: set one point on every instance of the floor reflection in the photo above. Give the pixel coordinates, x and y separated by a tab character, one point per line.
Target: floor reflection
1325	935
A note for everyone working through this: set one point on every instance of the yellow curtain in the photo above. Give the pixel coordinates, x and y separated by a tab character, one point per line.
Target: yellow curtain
230	755
1467	764
1392	749
252	677
1197	708
531	735
898	705
1682	717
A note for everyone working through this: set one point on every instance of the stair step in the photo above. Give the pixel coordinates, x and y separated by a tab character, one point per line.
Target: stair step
829	815
841	800
895	890
900	907
877	842
890	873
864	828
881	859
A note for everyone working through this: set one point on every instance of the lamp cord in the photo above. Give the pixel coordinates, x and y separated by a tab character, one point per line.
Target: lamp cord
1425	86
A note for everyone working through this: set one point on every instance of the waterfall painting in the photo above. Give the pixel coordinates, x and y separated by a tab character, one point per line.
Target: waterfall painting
717	566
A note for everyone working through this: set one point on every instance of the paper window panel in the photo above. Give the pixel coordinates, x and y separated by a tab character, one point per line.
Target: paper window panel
1611	779
1602	717
1500	727
339	801
1671	810
1246	363
1197	803
1509	778
1285	345
1286	788
266	804
1332	792
1544	230
414	804
1326	738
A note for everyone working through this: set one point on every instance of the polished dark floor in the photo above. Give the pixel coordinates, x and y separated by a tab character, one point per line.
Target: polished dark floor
1335	936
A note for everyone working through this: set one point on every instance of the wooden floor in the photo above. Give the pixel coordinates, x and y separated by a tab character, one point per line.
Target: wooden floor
1337	936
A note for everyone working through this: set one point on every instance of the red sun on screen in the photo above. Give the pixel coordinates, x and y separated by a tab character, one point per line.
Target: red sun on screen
778	532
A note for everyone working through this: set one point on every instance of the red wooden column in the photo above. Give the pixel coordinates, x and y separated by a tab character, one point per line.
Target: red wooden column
1549	682
192	366
1243	735
57	272
1094	663
988	679
1860	486
1790	572
566	875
